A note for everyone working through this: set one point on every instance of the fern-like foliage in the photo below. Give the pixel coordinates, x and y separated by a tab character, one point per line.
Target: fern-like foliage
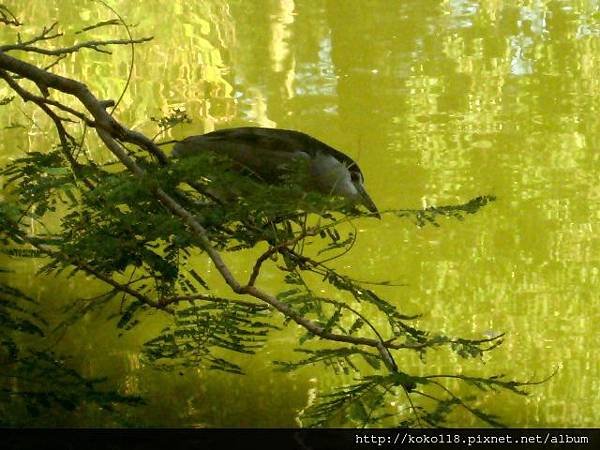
399	399
110	225
431	214
199	334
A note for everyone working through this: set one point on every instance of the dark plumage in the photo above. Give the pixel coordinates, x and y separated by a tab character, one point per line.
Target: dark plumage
268	153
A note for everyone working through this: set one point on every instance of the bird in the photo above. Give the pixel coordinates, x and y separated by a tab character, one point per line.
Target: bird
270	154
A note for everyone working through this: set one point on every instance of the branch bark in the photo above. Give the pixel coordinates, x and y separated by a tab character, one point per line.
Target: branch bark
113	134
46	80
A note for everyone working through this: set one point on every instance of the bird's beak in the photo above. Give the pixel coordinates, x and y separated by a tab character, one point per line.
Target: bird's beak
367	201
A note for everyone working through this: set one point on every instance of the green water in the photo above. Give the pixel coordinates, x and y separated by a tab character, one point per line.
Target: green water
439	102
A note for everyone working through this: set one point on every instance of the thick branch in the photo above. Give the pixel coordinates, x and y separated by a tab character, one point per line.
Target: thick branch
46	80
214	299
28	96
109	132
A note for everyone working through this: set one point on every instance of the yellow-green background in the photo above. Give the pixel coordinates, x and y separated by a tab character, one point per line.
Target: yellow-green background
439	101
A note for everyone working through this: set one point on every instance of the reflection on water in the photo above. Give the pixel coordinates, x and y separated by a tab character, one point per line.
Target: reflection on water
440	102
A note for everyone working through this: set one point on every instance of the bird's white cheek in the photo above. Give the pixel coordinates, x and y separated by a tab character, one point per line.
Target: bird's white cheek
346	188
331	176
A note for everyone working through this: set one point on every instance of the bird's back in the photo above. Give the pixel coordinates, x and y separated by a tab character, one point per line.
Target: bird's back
257	147
272	155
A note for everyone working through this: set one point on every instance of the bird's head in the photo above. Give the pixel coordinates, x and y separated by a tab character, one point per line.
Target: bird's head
337	174
270	155
360	196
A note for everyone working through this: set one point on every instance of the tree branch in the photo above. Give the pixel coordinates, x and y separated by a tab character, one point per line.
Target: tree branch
43	36
46	80
88	269
279	248
28	96
93	45
7	17
211	298
110	132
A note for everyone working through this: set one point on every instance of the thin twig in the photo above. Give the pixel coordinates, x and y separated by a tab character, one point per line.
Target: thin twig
110	132
131	64
57	254
93	45
279	248
98	25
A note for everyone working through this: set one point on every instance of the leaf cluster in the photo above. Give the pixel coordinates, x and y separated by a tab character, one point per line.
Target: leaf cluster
431	214
403	400
119	232
200	333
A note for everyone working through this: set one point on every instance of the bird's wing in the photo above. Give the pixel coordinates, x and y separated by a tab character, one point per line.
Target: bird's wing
264	154
265	139
273	139
260	149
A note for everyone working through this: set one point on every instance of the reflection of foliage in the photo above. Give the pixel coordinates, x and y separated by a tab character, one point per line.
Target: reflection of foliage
33	381
39	381
17	314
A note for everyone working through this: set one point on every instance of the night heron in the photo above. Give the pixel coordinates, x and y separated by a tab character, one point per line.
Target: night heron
270	153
